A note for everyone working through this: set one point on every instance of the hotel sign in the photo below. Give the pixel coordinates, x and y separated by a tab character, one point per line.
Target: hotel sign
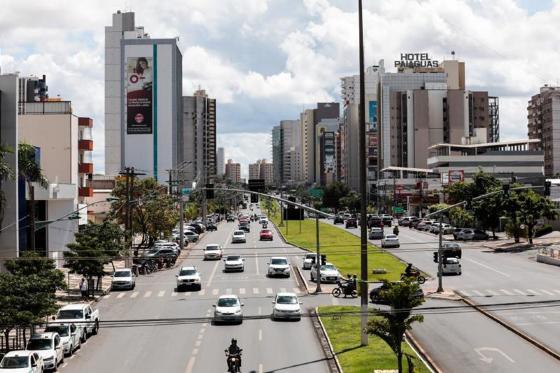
416	60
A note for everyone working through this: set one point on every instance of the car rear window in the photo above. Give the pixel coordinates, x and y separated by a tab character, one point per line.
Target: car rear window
233	257
69	314
279	261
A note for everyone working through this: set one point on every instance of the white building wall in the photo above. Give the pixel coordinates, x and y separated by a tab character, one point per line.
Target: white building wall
60	233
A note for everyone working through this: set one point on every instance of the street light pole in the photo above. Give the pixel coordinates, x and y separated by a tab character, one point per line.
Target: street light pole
318	258
440	256
363	187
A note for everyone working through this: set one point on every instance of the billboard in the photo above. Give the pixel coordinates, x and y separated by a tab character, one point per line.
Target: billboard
456	176
373	115
139	100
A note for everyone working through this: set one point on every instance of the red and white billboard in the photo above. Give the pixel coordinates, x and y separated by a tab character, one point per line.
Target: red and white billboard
455	176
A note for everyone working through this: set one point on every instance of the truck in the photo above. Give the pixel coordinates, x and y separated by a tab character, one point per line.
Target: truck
82	315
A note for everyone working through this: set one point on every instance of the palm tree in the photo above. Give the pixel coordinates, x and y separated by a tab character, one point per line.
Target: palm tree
31	172
5	173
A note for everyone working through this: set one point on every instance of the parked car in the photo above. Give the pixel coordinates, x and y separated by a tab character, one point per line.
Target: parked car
81	314
197	228
238	237
351	223
376	296
160	252
213	251
68	335
451	266
266	234
328	273
190	236
230	218
123	279
472	234
188	276
49	347
21	362
387	220
228	309
375	233
211	227
286	306
234	263
390	240
338	220
456	232
424	225
278	266
404	222
446	228
308	260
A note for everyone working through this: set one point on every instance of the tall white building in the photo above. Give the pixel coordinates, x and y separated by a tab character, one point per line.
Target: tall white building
220	162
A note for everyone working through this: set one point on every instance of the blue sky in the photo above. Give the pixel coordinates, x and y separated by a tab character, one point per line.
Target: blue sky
266	60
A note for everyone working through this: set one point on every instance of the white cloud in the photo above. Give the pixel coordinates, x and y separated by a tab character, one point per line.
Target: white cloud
246	148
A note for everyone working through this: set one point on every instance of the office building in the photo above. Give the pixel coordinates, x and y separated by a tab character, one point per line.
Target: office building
220	162
543	115
233	171
277	154
266	172
255	170
291	145
143	88
199	136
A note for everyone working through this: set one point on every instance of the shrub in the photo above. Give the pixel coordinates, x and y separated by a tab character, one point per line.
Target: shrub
541	231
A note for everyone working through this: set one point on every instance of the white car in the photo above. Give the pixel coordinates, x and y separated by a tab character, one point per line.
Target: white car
212	251
228	309
188	276
451	266
69	334
278	266
328	271
49	347
21	362
83	315
390	240
234	263
286	306
190	236
308	261
123	279
238	237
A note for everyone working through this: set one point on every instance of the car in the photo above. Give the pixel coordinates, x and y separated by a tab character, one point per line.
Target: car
424	225
286	306
246	227
238	237
190	236
21	362
456	232
375	221
195	227
308	260
376	296
387	220
375	233
168	244
351	223
123	279
338	220
230	218
390	240
472	234
160	252
328	271
228	308
263	220
68	334
451	250
211	227
201	226
278	266
405	222
234	263
451	266
213	251
49	347
188	277
266	234
81	314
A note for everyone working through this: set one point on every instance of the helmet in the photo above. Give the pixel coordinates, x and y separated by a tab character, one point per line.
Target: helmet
233	341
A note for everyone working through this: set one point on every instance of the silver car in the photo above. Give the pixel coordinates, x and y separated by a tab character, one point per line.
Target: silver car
228	309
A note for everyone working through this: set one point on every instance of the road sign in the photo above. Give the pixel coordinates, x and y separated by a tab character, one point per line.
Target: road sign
186	191
398	210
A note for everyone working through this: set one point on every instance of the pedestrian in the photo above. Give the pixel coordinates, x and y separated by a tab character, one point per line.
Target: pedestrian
84	288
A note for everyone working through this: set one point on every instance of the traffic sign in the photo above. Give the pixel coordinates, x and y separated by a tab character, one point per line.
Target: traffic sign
186	191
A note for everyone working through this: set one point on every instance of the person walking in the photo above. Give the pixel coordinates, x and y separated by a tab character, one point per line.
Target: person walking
84	288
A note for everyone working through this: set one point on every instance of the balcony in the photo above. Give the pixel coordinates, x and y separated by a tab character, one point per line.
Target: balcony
85	144
85	192
45	107
85	122
85	168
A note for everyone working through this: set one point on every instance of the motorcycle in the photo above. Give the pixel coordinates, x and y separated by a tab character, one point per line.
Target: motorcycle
344	289
233	362
415	275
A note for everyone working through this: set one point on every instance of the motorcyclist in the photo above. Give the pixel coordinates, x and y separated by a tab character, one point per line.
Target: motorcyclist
234	350
409	271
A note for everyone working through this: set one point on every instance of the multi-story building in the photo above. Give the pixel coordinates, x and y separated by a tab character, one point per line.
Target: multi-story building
199	136
266	172
307	136
220	162
277	154
233	171
291	144
543	115
255	170
143	88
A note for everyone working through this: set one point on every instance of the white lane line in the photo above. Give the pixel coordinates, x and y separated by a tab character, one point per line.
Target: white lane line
148	294
492	292
161	293
197	343
135	294
255	290
533	292
488	267
212	274
282	290
269	290
200	336
120	295
478	293
465	293
260	335
506	292
242	291
229	291
201	292
195	351
518	291
546	292
174	294
215	291
261	369
190	365
257	262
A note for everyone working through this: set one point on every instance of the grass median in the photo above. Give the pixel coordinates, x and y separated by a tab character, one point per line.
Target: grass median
344	334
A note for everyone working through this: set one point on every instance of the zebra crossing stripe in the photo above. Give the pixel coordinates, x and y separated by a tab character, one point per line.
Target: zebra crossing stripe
296	290
546	292
465	293
242	291
533	292
202	292
478	293
161	293
518	291
492	292
229	291
557	291
120	295
135	294
255	290
282	290
506	292
215	291
269	290
107	296
174	294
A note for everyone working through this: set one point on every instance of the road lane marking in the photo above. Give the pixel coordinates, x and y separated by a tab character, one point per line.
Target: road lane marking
518	291
212	275
197	343
492	292
260	335
261	370
556	291
135	294
242	291
546	292
201	292
255	290
174	294
229	291
64	365
215	291
190	365
120	295
161	293
464	292
195	351
200	336
148	294
506	292
488	267
533	292
187	294
478	293
296	290
269	290
257	262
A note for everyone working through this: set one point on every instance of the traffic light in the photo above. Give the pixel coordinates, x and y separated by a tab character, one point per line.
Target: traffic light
209	191
468	205
435	257
547	185
254	198
505	189
323	259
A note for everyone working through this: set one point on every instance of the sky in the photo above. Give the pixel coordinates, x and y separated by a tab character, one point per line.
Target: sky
267	60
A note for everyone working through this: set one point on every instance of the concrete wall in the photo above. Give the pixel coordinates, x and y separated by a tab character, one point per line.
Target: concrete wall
61	233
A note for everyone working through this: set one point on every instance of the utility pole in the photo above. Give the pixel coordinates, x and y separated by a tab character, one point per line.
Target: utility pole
440	256
281	206
32	213
181	212
363	186
318	258
129	174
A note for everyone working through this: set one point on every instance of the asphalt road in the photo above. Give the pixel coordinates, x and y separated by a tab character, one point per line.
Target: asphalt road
194	344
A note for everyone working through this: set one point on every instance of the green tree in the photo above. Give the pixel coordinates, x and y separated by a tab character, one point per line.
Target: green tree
95	246
351	201
460	217
437	207
6	173
391	325
333	193
531	207
489	210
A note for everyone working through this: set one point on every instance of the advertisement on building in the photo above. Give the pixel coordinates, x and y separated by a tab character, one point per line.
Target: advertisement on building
455	176
373	115
139	101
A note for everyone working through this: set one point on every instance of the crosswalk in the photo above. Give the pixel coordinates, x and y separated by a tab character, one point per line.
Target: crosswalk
214	292
509	292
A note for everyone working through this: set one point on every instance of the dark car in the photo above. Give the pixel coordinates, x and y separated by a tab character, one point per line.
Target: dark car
160	252
375	221
387	220
338	220
246	227
480	235
230	218
351	223
376	297
197	228
211	227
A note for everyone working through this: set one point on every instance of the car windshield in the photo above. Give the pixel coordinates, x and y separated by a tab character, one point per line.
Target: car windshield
70	314
187	272
266	231
62	330
15	362
39	344
238	233
391	236
228	302
286	299
213	247
233	257
310	256
279	261
328	267
122	274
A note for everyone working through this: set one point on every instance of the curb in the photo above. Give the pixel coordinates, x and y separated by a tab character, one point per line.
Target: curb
304	281
333	356
422	354
513	329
